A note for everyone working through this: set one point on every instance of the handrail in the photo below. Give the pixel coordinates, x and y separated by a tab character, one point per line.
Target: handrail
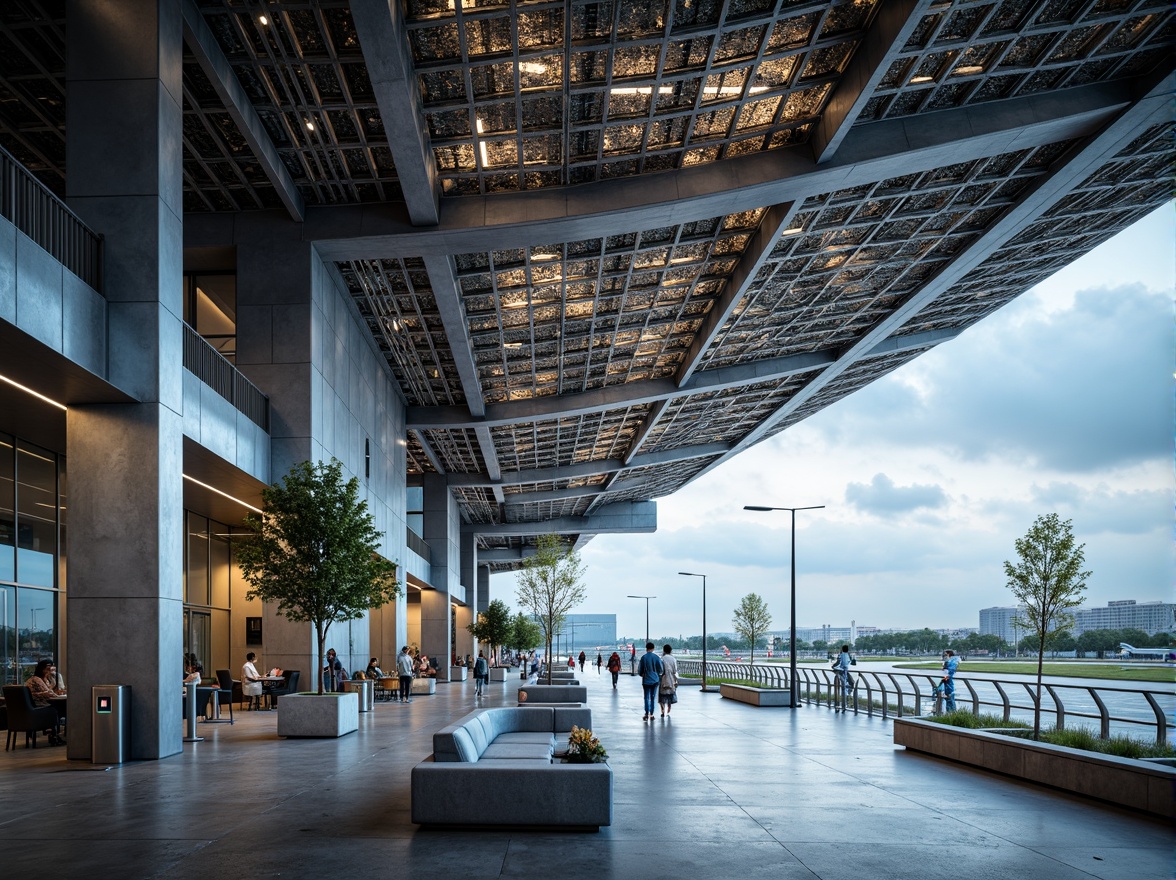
1113	708
211	368
34	209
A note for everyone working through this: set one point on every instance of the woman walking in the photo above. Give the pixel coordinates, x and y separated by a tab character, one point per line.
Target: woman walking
614	667
667	693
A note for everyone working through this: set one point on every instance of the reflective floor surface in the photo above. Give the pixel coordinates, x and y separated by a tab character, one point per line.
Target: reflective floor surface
718	790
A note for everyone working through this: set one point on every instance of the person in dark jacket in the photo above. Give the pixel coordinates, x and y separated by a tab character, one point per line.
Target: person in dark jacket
650	669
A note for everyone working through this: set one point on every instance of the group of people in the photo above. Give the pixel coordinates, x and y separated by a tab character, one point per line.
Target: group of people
659	679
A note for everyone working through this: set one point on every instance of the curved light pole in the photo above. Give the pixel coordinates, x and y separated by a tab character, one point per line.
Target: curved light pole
703	576
793	702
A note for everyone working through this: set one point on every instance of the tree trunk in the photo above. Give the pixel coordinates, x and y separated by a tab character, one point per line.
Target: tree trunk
1037	702
322	641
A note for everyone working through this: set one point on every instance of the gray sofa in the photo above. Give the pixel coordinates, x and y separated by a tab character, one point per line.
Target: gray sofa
532	694
506	756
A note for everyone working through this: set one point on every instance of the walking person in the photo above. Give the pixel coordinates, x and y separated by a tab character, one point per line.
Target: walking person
404	666
599	662
950	663
667	693
841	667
582	658
481	674
614	667
650	668
333	672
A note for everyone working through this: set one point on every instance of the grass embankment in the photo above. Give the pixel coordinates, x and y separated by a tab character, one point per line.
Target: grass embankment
1112	671
1076	738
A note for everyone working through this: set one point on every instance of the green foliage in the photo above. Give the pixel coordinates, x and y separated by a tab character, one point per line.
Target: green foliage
1119	746
524	633
493	626
315	551
584	748
752	620
550	584
964	718
1047	581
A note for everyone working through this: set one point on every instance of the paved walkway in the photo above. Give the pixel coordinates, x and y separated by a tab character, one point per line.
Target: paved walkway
720	790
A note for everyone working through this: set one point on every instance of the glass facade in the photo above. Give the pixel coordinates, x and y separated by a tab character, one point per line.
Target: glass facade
32	563
208	579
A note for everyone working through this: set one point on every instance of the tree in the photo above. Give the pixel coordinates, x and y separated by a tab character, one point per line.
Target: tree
550	585
524	633
1099	641
493	626
752	620
1047	581
315	551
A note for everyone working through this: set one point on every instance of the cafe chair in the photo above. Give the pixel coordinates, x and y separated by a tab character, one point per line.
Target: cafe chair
24	717
289	686
224	680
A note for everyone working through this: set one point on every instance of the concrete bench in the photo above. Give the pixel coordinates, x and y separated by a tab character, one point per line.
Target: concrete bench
508	753
530	694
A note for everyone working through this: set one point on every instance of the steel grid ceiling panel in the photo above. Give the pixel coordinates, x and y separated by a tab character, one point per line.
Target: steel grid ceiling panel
477	504
578	315
973	52
538	512
654	481
552	486
530	95
561	442
458	451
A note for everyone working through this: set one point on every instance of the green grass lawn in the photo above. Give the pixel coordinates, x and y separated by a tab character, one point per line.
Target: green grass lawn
1113	671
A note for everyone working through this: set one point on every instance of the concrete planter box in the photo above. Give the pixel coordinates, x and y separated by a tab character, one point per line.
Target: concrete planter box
754	696
423	687
1141	785
498	673
328	715
458	673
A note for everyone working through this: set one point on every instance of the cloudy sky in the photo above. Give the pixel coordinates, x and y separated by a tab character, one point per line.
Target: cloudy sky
1062	401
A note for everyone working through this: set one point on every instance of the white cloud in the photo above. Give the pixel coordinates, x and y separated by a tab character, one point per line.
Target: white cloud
882	496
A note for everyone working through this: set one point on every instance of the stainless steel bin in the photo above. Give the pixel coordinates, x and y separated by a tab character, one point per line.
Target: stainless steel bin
110	723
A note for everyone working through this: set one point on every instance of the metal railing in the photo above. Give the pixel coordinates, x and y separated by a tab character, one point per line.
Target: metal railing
38	213
416	544
1114	709
211	368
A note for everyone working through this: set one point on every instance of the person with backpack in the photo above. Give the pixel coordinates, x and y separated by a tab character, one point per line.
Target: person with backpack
650	669
614	667
481	674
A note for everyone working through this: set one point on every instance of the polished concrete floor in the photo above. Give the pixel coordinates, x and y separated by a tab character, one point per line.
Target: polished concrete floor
719	790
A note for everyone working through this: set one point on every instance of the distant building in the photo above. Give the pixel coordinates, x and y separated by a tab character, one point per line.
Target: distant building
582	631
1151	617
1000	622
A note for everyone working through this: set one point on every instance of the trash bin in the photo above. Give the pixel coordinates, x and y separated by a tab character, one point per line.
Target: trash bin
110	724
366	688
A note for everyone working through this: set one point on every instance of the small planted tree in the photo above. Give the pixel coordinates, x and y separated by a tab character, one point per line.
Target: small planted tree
524	633
493	626
550	584
314	551
1047	581
752	620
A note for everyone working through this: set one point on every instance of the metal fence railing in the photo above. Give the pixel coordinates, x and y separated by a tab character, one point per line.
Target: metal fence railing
211	368
1113	709
42	216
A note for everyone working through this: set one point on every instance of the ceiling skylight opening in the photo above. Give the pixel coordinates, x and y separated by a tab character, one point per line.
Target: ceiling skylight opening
792	230
919	80
536	67
641	90
968	70
512	345
262	20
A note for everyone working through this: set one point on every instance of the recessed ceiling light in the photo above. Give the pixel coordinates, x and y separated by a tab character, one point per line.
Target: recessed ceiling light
918	80
35	394
481	145
969	69
309	125
532	67
262	20
512	345
793	230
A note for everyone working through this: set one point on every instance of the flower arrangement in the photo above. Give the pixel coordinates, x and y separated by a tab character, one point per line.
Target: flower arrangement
584	748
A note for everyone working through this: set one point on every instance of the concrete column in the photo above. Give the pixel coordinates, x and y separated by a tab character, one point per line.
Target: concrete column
442	527
466	643
123	149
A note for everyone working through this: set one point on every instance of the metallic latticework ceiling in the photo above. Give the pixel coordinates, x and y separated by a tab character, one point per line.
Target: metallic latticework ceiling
642	237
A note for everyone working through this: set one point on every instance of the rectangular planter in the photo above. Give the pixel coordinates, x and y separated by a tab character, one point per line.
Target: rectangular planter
498	673
328	715
458	673
754	696
1141	785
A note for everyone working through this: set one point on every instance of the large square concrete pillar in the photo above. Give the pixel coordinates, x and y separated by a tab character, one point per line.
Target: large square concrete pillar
442	527
124	129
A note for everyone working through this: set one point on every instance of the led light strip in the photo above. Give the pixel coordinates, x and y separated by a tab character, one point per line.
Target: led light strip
219	492
36	394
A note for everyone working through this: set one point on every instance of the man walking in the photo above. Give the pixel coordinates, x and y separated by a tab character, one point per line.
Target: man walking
950	662
650	669
404	672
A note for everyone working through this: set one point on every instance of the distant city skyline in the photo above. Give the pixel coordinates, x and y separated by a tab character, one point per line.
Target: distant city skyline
1060	401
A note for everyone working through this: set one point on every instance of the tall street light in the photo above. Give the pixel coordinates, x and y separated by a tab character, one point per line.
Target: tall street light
646	598
793	702
703	576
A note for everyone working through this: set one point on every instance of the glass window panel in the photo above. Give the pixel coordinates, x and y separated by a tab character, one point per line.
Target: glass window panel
197	569
36	628
36	515
218	564
7	510
8	635
62	507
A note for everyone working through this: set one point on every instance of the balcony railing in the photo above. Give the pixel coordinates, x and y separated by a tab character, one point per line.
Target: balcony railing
38	213
417	544
222	377
1115	709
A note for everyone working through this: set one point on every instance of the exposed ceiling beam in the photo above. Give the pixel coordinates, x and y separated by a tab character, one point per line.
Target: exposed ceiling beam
649	391
429	453
554	495
869	153
1152	108
200	41
384	39
882	44
624	517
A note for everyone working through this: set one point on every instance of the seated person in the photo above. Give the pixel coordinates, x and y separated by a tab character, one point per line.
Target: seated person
416	666
251	683
193	671
42	693
373	669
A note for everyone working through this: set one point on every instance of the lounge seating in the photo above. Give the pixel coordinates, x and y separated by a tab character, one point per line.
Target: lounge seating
24	717
530	694
506	756
288	686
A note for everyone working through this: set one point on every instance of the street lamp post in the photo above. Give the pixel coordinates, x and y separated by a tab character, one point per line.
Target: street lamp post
793	702
703	576
646	598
